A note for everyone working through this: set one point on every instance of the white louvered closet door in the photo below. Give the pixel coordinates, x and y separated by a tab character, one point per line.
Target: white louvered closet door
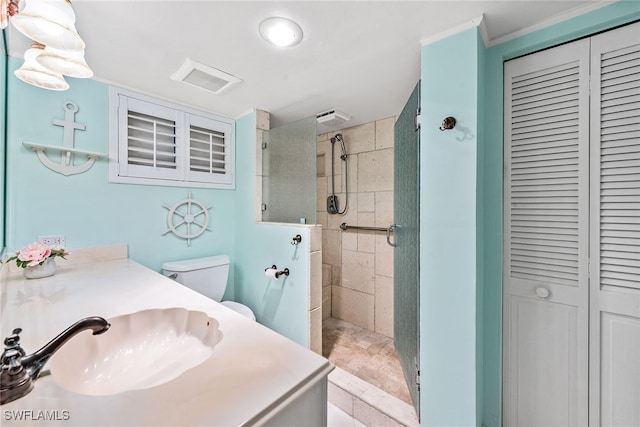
546	296
615	228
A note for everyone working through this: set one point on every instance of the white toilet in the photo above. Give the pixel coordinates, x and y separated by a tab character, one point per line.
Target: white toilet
207	276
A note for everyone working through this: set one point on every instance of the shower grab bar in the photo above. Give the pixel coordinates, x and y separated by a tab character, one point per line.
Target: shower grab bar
345	227
390	229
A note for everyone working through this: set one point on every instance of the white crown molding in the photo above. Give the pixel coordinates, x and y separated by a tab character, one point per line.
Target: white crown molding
484	33
477	22
571	13
246	113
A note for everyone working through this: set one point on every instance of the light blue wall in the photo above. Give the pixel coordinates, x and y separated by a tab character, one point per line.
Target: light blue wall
281	305
480	232
448	162
491	189
90	211
86	208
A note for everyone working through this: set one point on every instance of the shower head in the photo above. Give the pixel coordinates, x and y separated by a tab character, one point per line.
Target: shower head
338	138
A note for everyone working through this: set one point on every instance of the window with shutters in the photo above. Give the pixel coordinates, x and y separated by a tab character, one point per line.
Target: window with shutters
154	142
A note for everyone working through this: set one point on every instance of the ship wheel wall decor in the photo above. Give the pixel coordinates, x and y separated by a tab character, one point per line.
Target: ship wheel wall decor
187	219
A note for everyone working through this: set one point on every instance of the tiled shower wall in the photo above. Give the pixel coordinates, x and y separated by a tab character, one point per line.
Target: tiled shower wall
357	266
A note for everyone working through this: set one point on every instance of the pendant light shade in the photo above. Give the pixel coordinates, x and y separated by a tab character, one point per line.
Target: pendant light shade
33	73
70	64
50	22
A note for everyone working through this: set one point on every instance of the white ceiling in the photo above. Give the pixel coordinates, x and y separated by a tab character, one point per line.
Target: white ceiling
361	57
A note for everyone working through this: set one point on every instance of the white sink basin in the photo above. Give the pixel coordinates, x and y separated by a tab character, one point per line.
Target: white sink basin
140	350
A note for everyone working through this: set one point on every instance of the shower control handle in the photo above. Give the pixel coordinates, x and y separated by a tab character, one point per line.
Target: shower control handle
333	205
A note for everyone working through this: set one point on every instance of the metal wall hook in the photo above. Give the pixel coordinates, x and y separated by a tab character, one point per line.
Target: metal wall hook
448	123
297	239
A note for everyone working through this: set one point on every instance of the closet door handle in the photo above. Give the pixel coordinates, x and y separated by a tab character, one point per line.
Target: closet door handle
542	292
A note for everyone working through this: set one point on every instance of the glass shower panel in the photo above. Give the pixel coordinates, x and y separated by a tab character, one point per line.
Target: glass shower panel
289	173
406	209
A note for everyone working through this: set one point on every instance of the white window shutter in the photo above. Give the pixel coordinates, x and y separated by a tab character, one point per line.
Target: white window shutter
209	150
151	141
148	140
159	143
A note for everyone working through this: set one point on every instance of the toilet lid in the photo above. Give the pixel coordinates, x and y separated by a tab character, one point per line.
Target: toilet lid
240	309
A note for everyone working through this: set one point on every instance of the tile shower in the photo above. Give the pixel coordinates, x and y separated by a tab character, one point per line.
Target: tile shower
357	265
353	272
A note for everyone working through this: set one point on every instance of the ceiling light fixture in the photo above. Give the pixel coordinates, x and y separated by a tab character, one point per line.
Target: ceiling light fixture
281	32
35	74
68	63
50	22
58	48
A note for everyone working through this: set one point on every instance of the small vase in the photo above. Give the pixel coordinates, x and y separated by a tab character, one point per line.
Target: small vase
48	268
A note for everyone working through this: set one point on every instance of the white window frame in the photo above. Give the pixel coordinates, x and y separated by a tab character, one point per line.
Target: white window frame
121	100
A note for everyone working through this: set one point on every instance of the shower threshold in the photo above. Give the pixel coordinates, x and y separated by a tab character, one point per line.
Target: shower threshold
368	382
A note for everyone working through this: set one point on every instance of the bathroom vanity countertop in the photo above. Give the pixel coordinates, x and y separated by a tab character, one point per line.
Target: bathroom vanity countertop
252	373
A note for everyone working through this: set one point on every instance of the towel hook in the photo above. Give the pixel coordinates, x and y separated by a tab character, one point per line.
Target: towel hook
297	239
448	123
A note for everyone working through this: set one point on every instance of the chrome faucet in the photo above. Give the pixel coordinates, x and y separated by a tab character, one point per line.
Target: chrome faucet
19	370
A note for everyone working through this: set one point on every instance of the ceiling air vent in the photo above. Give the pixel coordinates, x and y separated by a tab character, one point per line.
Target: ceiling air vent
204	77
332	117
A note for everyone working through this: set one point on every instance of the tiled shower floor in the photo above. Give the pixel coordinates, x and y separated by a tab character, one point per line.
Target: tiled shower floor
368	355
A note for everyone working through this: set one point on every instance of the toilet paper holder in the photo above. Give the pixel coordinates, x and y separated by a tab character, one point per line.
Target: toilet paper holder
278	273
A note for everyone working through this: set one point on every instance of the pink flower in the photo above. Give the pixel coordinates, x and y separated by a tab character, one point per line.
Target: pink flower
34	253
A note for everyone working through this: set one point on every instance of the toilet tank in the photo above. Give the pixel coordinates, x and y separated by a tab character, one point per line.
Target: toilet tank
207	276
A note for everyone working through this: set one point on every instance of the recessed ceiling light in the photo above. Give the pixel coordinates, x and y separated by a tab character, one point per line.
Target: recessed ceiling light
281	32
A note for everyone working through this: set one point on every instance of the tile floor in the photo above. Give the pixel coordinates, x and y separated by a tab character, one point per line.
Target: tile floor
368	355
338	418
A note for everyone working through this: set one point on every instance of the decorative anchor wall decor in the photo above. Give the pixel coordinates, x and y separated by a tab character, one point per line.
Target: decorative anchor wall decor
67	165
188	225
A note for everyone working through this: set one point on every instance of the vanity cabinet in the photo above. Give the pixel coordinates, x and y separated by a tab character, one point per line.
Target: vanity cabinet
253	377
